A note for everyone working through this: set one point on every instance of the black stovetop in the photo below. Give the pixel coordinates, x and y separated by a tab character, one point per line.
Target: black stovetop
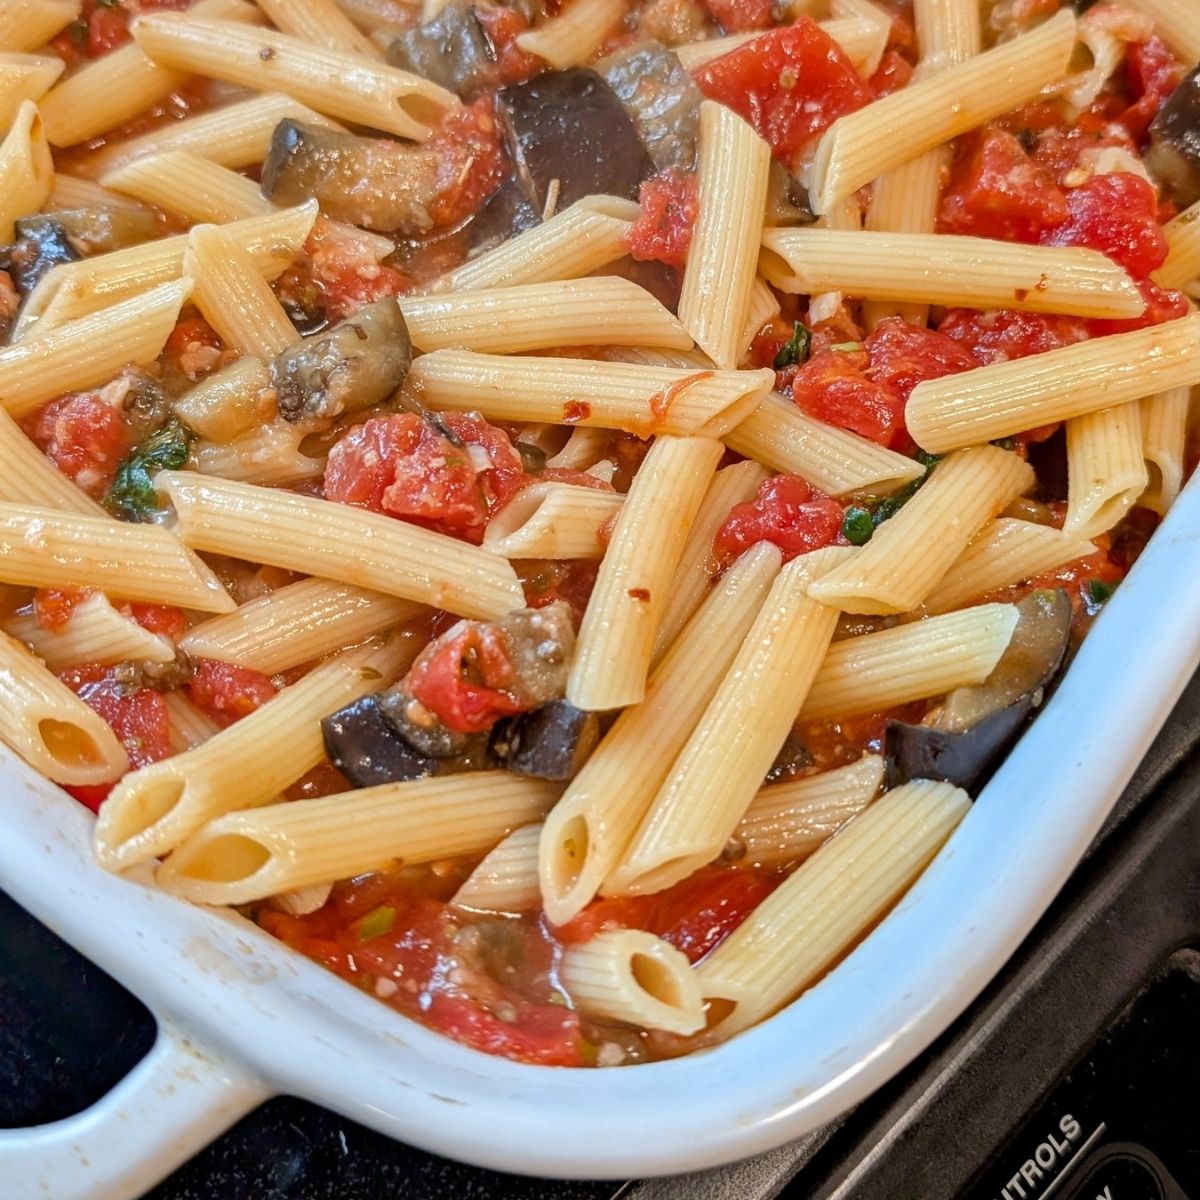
1073	1076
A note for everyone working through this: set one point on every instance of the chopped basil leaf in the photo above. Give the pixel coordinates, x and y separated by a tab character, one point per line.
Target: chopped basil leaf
795	351
376	923
132	496
858	526
1098	591
889	506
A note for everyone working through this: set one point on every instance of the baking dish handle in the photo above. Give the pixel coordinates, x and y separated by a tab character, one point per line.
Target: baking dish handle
172	1104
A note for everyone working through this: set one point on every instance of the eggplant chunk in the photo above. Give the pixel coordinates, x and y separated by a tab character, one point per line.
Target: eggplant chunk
100	230
371	182
787	199
365	747
358	363
552	742
506	212
453	50
42	244
961	740
569	126
1174	152
660	96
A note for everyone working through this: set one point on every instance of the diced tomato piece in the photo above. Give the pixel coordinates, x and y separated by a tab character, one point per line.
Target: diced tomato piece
503	26
1162	304
547	580
902	355
163	619
893	73
471	161
769	341
190	332
83	436
52	607
663	229
739	16
788	512
997	191
695	915
833	386
1061	148
107	21
573	477
1006	334
546	1034
791	84
1152	73
226	692
1116	214
139	719
404	466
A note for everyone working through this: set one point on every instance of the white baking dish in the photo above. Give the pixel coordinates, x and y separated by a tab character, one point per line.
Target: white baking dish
241	1017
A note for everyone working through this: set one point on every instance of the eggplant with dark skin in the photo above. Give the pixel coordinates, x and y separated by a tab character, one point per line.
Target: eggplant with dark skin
1173	155
506	212
367	181
452	50
357	364
41	246
963	738
552	742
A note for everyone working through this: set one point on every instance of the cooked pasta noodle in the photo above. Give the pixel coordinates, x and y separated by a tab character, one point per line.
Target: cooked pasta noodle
554	520
1164	445
1106	471
189	185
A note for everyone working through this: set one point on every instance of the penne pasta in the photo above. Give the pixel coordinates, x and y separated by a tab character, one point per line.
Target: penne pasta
782	438
1106	470
878	671
54	731
580	391
764	307
1175	23
506	881
541	316
908	554
188	725
1004	552
1164	446
1182	266
30	24
269	455
246	856
616	636
859	41
26	168
29	477
572	37
554	520
363	548
320	22
861	146
1006	398
947	269
733	164
24	77
245	765
298	623
332	81
189	186
949	31
40	547
716	775
71	192
827	904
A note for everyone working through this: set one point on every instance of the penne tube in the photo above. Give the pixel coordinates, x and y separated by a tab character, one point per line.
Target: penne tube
764	307
697	568
582	449
719	770
332	81
29	477
90	350
1175	23
862	145
298	623
554	520
117	86
870	17
1007	398
580	391
43	548
189	186
189	726
947	269
788	821
1182	266
24	77
320	22
580	239
26	168
506	881
589	828
541	316
827	905
732	166
367	549
232	295
95	633
269	455
949	31
54	731
30	24
878	671
572	38
71	192
908	554
782	438
229	402
1164	446
245	765
634	977
1106	471
616	636
249	855
237	135
1004	552
855	38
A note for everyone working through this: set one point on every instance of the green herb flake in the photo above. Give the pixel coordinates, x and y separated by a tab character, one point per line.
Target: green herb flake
796	349
376	923
1098	591
889	506
1005	443
847	347
132	496
858	526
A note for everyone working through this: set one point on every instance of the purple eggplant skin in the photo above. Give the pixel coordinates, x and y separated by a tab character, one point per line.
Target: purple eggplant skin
569	126
552	742
453	50
1173	155
364	746
964	741
41	245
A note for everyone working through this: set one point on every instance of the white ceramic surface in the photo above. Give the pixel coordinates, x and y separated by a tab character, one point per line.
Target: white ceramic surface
241	1017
